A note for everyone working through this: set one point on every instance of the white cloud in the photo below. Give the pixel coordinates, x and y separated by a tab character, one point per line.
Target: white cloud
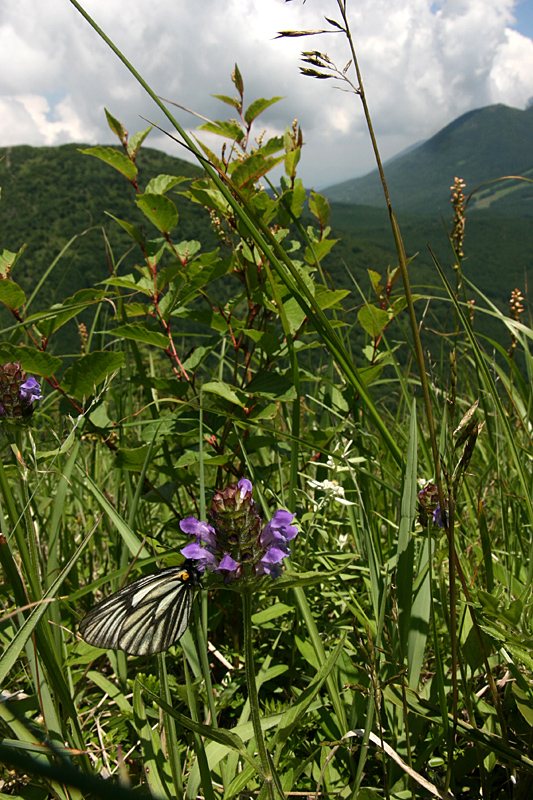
423	63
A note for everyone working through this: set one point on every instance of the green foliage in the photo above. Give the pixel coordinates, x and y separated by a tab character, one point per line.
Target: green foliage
221	346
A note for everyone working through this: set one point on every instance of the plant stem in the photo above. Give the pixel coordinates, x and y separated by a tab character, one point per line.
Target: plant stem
253	698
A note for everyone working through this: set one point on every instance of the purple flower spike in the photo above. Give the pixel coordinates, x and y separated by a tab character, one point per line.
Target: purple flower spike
237	544
17	393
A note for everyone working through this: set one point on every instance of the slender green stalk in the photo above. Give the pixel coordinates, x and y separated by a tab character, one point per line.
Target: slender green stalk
253	698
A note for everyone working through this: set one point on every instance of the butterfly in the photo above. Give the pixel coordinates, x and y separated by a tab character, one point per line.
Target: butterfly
147	616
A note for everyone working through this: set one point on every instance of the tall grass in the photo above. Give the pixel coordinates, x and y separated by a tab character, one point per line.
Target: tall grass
393	656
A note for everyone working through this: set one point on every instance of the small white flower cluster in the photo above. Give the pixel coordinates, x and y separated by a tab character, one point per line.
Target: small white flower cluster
331	489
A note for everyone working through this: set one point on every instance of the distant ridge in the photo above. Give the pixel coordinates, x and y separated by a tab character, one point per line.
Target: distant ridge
479	146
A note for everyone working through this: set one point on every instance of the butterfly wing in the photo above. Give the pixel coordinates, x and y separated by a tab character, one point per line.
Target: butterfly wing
147	616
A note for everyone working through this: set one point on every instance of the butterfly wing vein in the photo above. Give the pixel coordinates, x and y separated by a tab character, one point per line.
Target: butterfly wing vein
146	617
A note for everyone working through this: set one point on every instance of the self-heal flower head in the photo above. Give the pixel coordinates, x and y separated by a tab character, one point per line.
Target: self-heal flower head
236	545
429	510
17	393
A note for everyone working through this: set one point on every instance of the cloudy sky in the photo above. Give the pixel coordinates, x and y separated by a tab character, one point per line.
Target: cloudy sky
424	63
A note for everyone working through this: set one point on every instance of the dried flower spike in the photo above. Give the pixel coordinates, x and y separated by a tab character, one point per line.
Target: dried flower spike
459	221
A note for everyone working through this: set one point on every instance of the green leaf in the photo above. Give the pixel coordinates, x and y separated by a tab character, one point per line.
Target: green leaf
237	80
153	757
227	738
229	130
319	206
115	159
231	101
159	209
203	191
35	361
375	280
11	294
128	227
291	203
252	169
163	183
272	386
296	711
81	378
319	250
8	260
224	390
373	320
13	649
59	314
291	160
205	316
131	540
270	613
133	458
258	106
141	332
136	141
116	126
329	298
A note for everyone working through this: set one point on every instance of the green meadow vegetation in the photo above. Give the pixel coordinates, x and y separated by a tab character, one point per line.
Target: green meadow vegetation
221	341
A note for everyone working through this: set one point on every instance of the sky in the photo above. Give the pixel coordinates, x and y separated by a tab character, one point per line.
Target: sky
424	63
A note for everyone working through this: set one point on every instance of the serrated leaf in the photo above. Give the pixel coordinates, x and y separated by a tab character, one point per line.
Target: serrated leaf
34	361
139	332
159	209
89	371
11	294
258	106
115	159
373	320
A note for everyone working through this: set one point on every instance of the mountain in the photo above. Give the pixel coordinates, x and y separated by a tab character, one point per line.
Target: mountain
479	146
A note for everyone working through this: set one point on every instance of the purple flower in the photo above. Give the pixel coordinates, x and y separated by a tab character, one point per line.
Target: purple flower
429	509
30	390
236	545
17	393
438	518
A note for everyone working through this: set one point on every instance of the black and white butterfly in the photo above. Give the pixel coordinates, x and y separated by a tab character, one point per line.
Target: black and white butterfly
146	617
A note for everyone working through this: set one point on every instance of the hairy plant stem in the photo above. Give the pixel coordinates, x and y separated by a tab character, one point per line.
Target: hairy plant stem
253	698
